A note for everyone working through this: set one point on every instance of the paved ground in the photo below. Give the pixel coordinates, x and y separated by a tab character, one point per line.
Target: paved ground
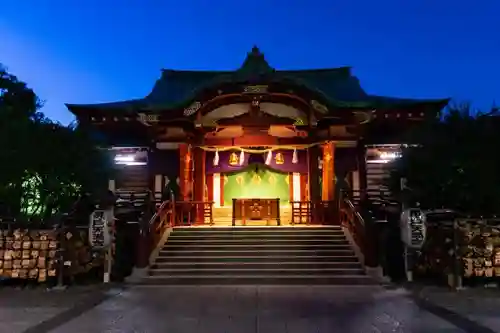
478	305
240	309
21	309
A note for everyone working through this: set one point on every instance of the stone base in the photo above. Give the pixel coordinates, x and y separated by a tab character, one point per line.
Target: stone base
138	274
377	273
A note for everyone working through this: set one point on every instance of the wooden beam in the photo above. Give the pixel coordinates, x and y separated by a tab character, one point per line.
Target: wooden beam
254	140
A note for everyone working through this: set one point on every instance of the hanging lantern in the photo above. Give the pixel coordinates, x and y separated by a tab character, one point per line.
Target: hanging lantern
242	157
269	157
233	159
279	158
320	163
295	158
216	158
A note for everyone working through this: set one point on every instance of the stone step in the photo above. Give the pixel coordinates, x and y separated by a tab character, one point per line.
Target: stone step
250	252
251	272
233	248
257	265
269	237
257	242
259	280
256	232
256	258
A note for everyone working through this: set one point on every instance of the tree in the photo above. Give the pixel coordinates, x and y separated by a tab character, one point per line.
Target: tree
454	162
45	165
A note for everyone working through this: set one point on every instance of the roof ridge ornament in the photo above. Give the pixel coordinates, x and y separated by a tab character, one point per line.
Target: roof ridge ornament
255	63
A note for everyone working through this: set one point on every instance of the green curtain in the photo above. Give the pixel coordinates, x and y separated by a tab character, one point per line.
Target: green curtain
256	183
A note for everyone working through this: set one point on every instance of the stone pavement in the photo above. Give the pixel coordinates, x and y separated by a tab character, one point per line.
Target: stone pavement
244	309
477	305
257	309
21	309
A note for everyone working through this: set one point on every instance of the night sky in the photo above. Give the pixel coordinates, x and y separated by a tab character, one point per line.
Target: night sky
96	51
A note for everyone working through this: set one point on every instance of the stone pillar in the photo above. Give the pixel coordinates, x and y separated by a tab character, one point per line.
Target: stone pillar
199	181
328	176
313	173
185	171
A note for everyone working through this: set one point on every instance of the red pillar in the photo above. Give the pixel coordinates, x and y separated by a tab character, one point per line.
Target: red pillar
210	187
328	188
199	181
185	170
303	187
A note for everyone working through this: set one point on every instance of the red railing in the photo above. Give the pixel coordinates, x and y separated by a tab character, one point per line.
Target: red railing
315	212
359	230
192	213
170	213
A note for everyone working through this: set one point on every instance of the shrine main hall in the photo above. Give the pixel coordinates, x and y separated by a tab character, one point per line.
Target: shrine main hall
255	143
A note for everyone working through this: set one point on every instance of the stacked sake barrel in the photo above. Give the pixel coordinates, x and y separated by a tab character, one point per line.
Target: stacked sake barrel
28	254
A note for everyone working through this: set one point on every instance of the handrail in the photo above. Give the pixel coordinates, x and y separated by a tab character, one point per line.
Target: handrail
355	212
360	231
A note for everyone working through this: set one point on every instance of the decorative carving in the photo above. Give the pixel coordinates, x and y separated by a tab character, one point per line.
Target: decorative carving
319	107
257	89
147	119
364	117
256	179
279	158
233	159
192	109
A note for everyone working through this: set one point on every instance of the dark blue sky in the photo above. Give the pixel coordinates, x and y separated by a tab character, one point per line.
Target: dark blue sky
96	51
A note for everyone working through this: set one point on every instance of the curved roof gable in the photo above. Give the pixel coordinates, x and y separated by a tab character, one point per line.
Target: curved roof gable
178	88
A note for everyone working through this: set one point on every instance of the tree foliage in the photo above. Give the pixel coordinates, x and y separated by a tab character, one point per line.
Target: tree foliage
45	165
454	164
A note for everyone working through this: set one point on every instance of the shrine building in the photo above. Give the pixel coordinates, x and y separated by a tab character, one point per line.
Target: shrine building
256	134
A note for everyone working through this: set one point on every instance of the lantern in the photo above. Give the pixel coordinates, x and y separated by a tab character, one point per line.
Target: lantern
295	158
233	159
279	158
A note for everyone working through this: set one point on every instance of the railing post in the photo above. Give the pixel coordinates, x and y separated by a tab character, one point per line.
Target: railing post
143	246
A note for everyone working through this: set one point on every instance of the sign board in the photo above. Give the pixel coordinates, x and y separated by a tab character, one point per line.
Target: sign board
99	229
413	227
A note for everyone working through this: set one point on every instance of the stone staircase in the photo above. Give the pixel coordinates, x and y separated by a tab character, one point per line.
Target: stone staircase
257	256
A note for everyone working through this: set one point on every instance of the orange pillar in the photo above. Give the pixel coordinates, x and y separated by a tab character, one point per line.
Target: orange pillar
328	183
199	182
222	183
185	170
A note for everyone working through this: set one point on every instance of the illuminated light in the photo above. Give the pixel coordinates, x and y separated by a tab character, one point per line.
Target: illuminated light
132	163
296	186
216	190
385	157
124	158
389	155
